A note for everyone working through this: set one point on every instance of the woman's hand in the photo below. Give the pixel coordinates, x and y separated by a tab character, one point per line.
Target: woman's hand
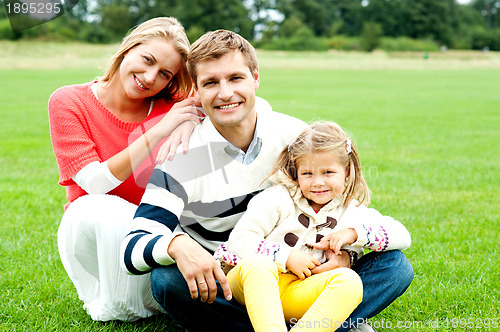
180	135
182	111
301	263
124	163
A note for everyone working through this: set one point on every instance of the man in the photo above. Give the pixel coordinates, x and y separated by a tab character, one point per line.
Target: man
192	203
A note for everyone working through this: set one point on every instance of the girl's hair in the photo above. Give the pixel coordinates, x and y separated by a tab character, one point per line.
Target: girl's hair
214	45
172	31
325	136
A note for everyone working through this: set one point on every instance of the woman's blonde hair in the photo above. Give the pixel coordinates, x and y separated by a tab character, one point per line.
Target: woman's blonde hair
215	44
169	29
328	137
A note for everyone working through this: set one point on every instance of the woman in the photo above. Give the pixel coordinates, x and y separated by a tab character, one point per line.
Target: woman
105	135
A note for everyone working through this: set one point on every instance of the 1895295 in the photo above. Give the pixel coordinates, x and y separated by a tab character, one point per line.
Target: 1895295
32	8
470	323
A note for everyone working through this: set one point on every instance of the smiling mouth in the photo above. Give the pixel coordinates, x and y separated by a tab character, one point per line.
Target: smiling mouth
319	192
139	84
228	108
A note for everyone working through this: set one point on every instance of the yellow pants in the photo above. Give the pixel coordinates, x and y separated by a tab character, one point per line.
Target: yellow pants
320	302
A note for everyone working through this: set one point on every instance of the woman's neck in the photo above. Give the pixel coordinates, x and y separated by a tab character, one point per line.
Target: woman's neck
113	97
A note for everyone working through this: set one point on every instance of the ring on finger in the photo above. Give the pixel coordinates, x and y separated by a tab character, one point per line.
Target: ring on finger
202	282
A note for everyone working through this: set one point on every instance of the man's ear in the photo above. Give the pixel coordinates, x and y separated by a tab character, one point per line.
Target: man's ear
256	77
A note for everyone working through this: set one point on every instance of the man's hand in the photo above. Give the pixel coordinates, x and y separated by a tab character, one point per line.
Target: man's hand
334	261
301	263
199	268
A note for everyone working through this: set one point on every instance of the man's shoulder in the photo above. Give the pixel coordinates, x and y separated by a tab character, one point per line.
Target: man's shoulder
275	124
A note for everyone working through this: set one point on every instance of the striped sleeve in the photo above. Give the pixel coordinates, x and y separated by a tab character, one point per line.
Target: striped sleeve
154	226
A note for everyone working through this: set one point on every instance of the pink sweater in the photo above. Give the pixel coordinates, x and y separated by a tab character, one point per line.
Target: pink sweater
82	130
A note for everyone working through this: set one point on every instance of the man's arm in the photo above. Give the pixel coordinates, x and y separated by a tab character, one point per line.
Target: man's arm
155	239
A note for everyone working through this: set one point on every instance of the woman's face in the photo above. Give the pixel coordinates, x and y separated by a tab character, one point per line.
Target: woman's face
147	68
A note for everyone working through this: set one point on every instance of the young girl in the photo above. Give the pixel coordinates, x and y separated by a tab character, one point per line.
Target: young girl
317	203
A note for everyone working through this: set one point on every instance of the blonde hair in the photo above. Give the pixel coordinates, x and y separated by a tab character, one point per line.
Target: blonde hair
215	44
169	29
328	137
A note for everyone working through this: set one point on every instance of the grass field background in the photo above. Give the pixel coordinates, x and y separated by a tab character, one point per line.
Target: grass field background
428	133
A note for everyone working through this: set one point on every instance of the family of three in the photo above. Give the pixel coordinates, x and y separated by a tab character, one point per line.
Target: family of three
258	222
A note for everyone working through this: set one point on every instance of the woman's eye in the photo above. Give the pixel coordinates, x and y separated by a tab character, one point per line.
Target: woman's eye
148	60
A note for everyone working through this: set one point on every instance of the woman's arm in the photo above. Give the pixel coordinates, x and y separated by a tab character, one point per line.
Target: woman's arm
123	164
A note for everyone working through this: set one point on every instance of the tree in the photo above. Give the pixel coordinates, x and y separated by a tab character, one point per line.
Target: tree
490	10
430	19
390	14
370	38
205	15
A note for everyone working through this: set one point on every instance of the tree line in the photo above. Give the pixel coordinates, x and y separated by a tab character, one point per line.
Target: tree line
288	24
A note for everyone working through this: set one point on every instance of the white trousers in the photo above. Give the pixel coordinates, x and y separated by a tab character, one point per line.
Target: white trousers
89	239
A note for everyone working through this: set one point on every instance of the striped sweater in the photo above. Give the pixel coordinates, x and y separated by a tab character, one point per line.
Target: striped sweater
202	193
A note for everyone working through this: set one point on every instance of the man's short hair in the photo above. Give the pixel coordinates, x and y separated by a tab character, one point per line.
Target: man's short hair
215	44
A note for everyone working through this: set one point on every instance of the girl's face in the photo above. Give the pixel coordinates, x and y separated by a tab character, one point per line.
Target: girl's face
321	178
147	68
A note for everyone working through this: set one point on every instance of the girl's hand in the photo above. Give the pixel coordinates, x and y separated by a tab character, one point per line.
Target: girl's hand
301	263
335	241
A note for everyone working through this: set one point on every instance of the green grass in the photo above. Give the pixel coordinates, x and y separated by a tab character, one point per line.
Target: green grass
429	141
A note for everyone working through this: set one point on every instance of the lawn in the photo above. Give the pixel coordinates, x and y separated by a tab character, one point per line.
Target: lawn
428	132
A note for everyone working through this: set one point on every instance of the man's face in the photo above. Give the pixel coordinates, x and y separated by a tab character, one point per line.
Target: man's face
226	88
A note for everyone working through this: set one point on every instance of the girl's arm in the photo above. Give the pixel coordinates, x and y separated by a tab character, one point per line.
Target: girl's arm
248	237
375	231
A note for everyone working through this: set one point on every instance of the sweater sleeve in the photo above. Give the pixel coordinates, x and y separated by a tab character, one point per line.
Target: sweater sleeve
248	238
73	146
155	224
375	231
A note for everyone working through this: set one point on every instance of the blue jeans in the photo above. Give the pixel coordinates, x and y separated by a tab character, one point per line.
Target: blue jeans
385	276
